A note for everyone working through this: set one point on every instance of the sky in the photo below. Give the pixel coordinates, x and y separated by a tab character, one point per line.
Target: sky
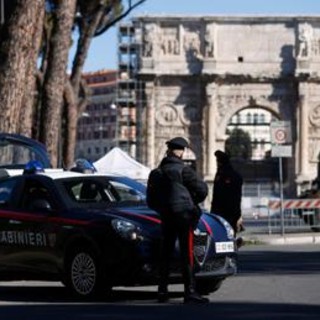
103	50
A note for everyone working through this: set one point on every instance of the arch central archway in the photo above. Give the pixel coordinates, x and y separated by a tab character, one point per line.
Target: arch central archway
228	101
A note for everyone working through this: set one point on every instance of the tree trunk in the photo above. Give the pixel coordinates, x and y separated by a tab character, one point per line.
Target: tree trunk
70	132
87	32
30	95
17	41
55	78
98	22
74	106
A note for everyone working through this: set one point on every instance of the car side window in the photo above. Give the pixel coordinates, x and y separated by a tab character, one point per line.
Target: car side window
36	197
88	191
6	188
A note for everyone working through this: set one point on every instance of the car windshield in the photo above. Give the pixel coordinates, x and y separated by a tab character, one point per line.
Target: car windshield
16	151
96	192
128	189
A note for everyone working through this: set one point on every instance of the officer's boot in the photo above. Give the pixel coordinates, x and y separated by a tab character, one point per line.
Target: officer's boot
191	296
163	294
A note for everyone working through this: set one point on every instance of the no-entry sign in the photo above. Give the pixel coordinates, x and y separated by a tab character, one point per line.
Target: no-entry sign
280	132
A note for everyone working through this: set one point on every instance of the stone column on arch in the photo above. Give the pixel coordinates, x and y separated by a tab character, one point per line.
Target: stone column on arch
303	127
211	130
150	119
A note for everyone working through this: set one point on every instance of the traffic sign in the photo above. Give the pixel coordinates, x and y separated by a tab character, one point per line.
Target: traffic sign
280	132
281	151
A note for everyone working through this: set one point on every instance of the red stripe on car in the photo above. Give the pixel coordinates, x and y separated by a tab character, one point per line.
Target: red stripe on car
156	220
39	218
208	228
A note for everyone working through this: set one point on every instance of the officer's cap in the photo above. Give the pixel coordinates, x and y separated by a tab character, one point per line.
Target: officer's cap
177	143
221	156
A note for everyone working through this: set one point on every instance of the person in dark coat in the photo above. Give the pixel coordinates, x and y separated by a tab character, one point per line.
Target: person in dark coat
179	213
227	192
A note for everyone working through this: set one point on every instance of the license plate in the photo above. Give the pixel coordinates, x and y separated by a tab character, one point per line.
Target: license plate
224	246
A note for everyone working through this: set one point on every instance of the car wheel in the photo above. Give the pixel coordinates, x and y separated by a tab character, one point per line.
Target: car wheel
83	273
206	287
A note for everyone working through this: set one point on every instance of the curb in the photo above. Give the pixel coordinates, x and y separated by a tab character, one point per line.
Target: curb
281	240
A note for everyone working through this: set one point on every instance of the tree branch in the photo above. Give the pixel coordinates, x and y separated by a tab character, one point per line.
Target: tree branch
118	18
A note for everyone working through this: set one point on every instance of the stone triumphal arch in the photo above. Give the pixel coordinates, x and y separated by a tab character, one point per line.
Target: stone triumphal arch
199	71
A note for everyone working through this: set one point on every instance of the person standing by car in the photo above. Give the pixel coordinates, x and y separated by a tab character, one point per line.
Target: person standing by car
227	192
174	191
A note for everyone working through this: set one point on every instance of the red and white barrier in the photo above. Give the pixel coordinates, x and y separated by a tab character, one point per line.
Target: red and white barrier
295	204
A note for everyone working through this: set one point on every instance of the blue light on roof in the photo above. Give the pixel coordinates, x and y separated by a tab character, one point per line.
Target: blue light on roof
32	167
84	166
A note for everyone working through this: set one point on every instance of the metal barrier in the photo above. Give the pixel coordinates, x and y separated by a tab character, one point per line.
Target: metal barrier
297	215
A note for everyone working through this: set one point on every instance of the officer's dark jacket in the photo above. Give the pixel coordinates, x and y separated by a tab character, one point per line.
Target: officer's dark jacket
227	193
181	190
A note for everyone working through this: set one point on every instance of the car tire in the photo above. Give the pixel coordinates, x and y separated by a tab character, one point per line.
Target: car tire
205	287
83	275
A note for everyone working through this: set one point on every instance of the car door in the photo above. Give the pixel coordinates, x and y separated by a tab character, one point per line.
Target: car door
8	245
34	209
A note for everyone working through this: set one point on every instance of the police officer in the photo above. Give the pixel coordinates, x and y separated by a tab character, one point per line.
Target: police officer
227	191
184	191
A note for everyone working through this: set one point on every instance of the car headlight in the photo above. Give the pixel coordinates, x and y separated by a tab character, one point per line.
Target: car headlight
126	229
226	224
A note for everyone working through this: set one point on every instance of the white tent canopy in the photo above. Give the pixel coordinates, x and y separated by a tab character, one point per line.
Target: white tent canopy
119	162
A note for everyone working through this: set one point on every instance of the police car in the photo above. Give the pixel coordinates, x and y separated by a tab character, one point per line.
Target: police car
94	232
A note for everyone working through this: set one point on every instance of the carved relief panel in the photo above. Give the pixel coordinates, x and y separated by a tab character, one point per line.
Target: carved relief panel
170	40
181	117
314	134
153	38
192	42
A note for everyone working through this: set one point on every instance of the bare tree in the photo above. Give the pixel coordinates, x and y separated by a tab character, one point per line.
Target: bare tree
92	20
48	24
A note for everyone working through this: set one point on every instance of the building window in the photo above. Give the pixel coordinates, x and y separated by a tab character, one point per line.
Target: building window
249	117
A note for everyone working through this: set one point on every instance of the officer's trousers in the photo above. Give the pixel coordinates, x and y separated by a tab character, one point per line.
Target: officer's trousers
177	227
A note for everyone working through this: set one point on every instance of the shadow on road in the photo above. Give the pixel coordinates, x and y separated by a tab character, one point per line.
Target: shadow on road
46	301
54	303
279	262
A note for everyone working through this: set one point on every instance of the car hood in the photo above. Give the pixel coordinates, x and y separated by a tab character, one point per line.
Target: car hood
139	212
208	222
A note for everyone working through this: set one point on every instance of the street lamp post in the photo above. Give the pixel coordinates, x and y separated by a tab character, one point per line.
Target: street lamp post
113	106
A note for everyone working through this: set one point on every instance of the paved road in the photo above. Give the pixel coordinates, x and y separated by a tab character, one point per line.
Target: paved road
274	282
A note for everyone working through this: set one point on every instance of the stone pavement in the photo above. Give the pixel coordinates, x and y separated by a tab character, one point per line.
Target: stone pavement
278	239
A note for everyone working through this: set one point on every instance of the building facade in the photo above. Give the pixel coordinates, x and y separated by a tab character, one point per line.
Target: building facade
97	130
199	72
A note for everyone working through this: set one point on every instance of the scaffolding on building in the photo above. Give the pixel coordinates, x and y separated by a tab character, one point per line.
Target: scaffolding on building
129	90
